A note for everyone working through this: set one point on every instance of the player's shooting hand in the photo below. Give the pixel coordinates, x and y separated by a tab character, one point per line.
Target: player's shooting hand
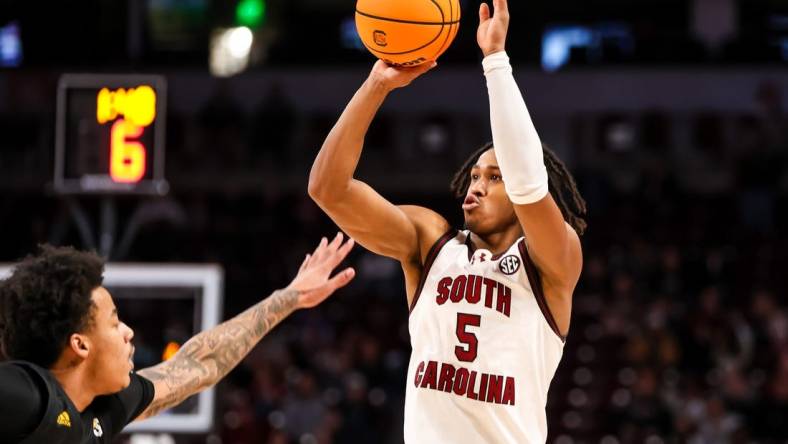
491	35
313	281
392	77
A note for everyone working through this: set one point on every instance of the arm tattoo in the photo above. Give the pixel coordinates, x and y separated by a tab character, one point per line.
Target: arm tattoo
209	356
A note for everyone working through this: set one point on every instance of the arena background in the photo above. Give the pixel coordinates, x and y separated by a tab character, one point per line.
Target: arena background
669	112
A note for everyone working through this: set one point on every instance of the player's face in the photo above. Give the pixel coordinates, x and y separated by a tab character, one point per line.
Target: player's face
110	358
487	208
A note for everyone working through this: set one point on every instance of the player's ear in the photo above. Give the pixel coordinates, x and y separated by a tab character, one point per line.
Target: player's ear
80	345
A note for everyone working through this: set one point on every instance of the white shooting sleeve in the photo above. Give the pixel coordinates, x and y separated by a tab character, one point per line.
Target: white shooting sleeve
517	145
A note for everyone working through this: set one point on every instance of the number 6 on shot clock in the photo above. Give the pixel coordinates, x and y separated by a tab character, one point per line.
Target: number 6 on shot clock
127	157
110	134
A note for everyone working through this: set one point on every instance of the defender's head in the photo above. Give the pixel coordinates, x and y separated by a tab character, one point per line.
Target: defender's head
55	313
486	206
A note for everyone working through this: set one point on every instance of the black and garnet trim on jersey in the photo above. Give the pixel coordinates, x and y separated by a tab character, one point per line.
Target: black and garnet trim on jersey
431	255
536	285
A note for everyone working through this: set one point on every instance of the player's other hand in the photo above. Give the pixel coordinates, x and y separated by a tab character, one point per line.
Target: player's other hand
491	35
393	77
313	281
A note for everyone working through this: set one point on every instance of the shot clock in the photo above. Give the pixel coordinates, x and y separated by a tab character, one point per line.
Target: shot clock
110	134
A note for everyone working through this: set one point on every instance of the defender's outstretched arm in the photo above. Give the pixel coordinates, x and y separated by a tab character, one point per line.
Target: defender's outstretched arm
207	357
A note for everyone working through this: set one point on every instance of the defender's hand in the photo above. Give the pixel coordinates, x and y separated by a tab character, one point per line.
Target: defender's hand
491	35
392	77
312	281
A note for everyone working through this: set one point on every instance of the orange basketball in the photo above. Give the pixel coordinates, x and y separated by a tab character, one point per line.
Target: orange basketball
407	32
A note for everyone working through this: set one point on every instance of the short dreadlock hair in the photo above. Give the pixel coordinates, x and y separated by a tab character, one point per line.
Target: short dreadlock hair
45	301
561	184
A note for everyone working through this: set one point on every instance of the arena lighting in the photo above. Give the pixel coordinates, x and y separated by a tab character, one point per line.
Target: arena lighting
10	45
558	42
250	13
239	42
230	49
596	40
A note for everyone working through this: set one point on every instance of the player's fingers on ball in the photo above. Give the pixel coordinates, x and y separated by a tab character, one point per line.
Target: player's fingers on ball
424	67
380	64
414	71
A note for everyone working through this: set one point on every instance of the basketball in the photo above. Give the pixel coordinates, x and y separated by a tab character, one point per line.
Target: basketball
407	32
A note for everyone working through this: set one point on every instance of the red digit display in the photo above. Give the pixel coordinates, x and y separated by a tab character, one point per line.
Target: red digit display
127	157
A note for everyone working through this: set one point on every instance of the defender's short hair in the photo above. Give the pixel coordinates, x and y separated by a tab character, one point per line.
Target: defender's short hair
45	301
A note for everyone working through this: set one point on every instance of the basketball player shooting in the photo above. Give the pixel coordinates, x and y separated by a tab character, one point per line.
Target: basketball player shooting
490	305
71	377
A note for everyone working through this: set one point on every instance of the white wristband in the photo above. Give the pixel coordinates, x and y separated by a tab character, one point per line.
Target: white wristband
498	60
517	145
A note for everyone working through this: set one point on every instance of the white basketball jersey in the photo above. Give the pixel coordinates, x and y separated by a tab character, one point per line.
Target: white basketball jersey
485	348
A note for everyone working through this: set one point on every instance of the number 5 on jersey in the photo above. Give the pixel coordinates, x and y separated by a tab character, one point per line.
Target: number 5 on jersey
469	352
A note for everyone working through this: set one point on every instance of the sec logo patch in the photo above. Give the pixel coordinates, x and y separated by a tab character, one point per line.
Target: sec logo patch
509	265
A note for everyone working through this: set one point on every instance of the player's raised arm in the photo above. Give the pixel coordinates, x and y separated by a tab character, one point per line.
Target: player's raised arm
397	232
554	246
209	356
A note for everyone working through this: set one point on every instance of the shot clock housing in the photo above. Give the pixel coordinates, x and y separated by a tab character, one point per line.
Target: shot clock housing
109	134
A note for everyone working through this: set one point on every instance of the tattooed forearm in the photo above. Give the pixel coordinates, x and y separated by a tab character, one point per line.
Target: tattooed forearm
209	356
